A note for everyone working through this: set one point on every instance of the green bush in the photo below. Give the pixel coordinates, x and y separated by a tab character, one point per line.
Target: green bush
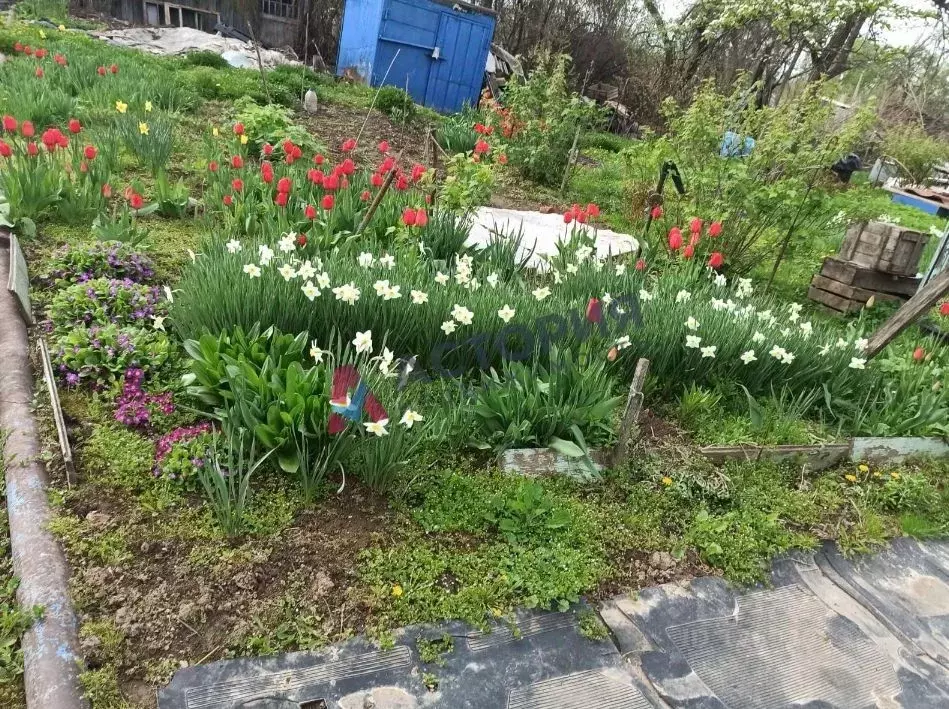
915	151
456	133
205	58
272	124
395	103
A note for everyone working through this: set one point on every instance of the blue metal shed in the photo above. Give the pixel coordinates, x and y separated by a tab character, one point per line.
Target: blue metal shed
437	48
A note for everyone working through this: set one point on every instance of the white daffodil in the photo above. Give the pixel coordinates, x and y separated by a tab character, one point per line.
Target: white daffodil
841	343
806	328
682	296
709	351
392	293
572	268
777	352
266	254
861	344
795	308
748	356
606	299
541	293
441	279
380	287
645	295
385	363
462	314
366	259
744	287
623	342
692	323
387	261
252	270
286	243
306	271
794	317
323	280
492	280
233	246
583	253
764	315
620	269
419	297
558	279
168	294
348	293
857	363
287	271
757	338
824	350
363	341
720	280
730	305
473	284
693	341
787	358
785	331
448	327
310	290
506	313
377	428
718	304
597	264
316	353
410	418
192	255
158	322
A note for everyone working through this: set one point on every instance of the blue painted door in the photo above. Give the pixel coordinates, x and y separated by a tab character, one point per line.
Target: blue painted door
406	42
457	74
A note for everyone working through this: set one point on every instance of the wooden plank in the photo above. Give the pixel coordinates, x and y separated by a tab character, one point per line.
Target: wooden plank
816	457
894	450
18	280
916	306
843	305
869	279
634	404
58	419
852	292
534	462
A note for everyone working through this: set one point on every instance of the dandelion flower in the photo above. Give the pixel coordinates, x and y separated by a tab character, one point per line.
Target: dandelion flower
667	481
397	590
121	107
378	428
895	475
863	468
448	327
748	357
419	297
233	246
410	418
693	342
506	313
252	270
850	477
541	293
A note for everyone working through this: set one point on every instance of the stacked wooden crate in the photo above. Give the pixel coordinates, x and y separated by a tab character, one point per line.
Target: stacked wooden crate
877	260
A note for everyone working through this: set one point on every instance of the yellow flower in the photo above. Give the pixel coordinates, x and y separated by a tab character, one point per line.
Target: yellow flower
895	475
397	590
243	140
863	468
667	481
42	34
143	128
851	478
62	28
497	612
148	106
121	107
215	132
878	475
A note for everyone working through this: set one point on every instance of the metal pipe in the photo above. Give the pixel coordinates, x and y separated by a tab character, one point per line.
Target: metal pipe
50	648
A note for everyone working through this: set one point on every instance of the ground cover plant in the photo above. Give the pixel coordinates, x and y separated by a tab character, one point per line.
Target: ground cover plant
286	384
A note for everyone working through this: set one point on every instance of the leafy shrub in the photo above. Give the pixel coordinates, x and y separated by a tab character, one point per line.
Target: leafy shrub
103	301
527	514
395	103
100	356
205	58
600	140
181	451
530	404
456	133
915	151
272	124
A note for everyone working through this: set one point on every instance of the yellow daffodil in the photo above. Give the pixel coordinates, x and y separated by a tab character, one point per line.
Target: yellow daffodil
851	478
215	132
148	106
397	590
895	475
863	468
667	481
143	128
243	140
42	34
878	475
121	107
62	28
497	612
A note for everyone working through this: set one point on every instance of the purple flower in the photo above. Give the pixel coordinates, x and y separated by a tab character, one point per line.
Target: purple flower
72	379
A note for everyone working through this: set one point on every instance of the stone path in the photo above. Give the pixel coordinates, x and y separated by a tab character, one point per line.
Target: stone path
828	633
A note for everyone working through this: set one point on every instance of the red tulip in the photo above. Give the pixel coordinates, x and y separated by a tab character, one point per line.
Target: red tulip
238	128
387	164
136	200
114	69
90	152
26	128
17	47
383	147
100	71
417	172
408	216
481	147
376	180
27	50
301	240
9	123
237	162
106	190
695	226
284	184
944	309
347	167
714	229
318	159
32	149
41	53
401	183
365	196
309	211
266	172
688	252
594	310
675	238
61	140
315	176
228	200
267	149
59	59
694	239
327	202
716	260
331	182
919	354
348	145
237	184
83	166
502	158
212	166
567	217
656	212
281	199
593	210
421	218
344	183
5	150
74	126
640	265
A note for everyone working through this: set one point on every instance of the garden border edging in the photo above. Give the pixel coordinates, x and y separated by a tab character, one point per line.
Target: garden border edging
50	647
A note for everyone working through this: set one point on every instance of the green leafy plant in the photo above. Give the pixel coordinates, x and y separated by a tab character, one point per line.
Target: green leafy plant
528	514
149	137
272	124
395	103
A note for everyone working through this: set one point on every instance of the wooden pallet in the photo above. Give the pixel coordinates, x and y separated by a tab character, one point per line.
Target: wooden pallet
844	287
884	247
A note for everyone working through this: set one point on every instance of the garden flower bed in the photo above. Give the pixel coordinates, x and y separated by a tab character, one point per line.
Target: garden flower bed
287	380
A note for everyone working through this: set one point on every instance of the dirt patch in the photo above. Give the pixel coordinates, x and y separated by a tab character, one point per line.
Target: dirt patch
634	569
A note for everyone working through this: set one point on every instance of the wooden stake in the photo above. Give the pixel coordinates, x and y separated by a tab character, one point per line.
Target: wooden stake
58	419
379	195
634	405
260	63
910	312
571	159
